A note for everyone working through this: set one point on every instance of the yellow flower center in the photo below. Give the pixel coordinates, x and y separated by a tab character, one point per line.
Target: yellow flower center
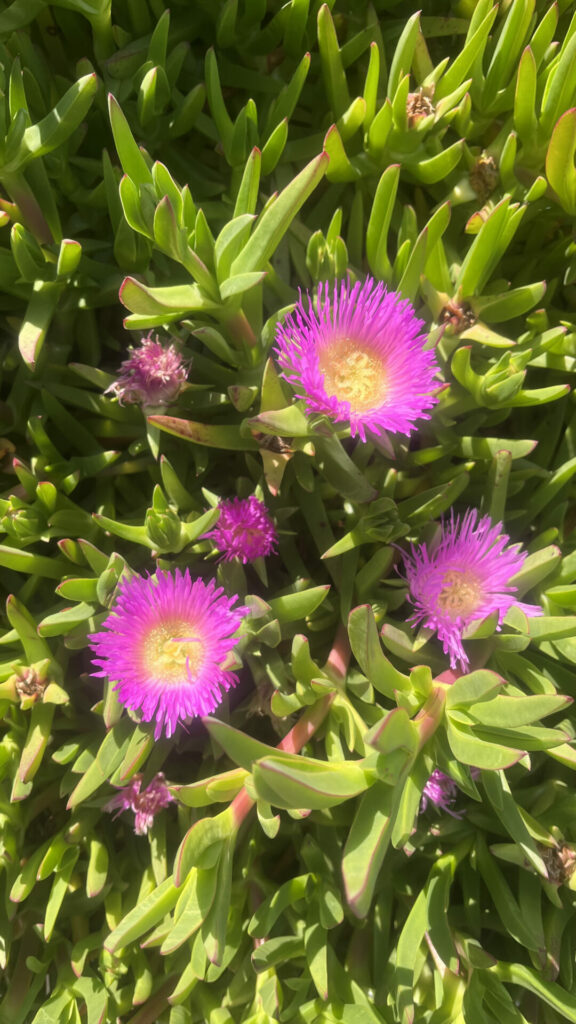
460	595
173	651
353	373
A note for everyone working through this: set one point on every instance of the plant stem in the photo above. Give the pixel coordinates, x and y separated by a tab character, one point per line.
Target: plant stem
303	731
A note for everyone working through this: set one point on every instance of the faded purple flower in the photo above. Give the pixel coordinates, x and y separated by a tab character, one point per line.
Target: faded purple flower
441	791
152	376
358	356
463	577
245	530
165	645
145	804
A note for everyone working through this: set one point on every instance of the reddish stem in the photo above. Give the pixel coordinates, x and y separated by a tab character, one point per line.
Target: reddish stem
303	731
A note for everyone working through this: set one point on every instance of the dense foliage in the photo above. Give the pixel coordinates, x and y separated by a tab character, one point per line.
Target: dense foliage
293	857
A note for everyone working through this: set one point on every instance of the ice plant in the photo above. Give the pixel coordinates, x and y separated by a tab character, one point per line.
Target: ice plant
165	644
358	356
441	791
144	803
245	530
152	376
463	577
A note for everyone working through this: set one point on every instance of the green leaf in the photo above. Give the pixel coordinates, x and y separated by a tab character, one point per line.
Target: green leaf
58	891
143	916
97	872
508	305
240	283
109	756
515	712
473	48
560	86
499	795
278	950
212	436
525	120
239	747
331	62
304	782
366	846
508	46
63	621
438	167
560	169
172	301
216	103
468	748
379	223
555	995
203	844
24	624
133	163
504	901
276	218
41	718
292	607
289	421
473	688
404	53
194	905
368	651
473	272
37	320
215	789
58	125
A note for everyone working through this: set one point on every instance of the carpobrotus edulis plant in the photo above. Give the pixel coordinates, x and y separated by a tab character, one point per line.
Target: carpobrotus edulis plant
253	768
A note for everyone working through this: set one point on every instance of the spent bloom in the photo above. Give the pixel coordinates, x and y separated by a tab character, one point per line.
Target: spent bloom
358	356
245	530
153	375
145	804
165	645
463	577
441	791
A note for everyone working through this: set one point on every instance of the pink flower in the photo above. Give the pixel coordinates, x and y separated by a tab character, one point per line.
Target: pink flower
245	530
145	804
359	357
152	376
165	644
441	791
465	576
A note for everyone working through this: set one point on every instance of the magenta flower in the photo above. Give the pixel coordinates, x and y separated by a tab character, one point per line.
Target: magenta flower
145	804
244	530
165	644
441	791
152	376
359	357
465	576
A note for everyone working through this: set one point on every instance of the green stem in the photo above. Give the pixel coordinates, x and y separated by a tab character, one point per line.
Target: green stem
32	217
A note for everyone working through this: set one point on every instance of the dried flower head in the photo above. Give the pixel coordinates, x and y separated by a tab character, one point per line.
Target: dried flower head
359	357
245	530
560	862
165	643
29	682
463	577
419	105
145	804
441	791
457	315
152	376
484	176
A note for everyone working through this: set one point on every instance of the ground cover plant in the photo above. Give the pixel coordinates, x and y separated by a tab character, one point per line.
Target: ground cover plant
288	547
